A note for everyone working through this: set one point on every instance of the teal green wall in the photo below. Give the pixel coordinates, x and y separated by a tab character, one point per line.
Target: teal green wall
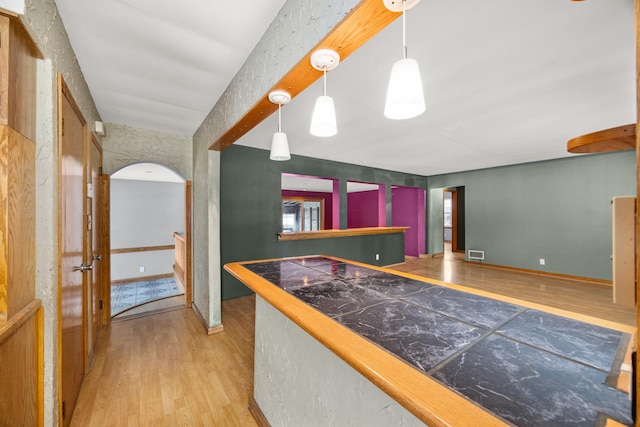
559	210
250	212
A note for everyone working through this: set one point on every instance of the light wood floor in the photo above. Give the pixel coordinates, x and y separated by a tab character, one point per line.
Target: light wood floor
163	370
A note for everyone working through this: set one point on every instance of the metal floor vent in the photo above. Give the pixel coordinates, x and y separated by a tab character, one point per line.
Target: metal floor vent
473	254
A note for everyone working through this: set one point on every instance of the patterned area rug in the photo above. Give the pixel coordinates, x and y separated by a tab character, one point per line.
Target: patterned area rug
131	294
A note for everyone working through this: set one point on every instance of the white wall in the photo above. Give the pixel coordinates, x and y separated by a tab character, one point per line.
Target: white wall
144	214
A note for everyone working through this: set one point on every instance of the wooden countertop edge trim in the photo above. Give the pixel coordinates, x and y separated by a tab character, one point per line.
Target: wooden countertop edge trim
603	141
349	232
431	402
7	328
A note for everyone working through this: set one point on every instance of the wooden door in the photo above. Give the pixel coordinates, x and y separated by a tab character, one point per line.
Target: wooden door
72	209
105	240
454	222
95	226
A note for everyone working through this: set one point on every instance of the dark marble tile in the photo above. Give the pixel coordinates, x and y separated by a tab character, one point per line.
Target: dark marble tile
350	271
391	285
265	267
421	337
336	297
312	261
531	387
590	344
293	276
474	309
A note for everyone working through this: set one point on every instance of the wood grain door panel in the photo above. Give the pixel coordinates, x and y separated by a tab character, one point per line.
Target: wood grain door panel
95	291
72	247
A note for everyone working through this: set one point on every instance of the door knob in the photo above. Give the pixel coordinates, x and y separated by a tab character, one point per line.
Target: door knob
84	267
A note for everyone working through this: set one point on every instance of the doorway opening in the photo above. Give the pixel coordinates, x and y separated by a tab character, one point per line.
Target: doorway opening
150	240
453	235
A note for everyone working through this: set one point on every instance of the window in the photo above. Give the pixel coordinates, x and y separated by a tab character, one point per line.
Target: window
448	211
302	214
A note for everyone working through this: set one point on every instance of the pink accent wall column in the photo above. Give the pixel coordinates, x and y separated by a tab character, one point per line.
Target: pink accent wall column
335	205
422	227
408	210
382	205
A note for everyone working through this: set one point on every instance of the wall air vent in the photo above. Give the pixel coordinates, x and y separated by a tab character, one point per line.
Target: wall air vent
473	254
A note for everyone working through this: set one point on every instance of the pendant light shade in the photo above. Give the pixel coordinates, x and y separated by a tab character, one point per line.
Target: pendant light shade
279	143
323	120
405	98
280	147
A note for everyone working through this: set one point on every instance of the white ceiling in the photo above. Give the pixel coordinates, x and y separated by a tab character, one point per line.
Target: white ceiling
506	81
162	64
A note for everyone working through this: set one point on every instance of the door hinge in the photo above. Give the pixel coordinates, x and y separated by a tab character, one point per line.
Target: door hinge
63	126
100	304
64	409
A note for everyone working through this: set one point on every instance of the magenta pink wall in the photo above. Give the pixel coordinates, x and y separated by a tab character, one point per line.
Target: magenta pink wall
362	209
408	210
328	203
336	204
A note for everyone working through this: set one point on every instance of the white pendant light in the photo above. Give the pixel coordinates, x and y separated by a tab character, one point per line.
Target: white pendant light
323	120
279	143
405	96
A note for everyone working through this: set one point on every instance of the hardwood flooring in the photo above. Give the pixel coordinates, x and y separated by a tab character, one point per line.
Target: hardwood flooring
163	370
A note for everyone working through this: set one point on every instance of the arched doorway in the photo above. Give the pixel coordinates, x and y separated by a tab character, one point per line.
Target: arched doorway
149	229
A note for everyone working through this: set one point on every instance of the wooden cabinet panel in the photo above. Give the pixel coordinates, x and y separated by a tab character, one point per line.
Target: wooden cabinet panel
21	376
17	222
17	78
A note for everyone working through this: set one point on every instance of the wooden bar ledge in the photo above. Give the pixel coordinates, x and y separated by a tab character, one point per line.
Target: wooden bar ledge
325	234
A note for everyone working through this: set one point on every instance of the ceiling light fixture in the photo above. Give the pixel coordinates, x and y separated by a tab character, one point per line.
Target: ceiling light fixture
279	143
323	120
405	97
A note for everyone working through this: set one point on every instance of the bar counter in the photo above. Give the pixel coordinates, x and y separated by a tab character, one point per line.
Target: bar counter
448	355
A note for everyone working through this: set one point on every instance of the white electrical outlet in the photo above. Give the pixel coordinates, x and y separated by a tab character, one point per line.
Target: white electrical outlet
377	257
542	261
141	269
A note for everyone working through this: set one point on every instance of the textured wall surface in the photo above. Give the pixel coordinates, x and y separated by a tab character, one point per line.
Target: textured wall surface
297	28
299	382
44	23
559	210
123	145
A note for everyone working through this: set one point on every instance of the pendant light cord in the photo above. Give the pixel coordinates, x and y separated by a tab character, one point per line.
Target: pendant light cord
404	31
324	90
279	118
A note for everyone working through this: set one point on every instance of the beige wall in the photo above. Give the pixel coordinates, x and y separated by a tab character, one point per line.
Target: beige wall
123	145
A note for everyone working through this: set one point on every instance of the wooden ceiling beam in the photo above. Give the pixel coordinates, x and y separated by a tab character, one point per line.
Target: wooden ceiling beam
366	20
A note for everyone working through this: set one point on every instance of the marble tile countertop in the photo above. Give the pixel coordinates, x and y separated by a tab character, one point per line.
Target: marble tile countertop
527	367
